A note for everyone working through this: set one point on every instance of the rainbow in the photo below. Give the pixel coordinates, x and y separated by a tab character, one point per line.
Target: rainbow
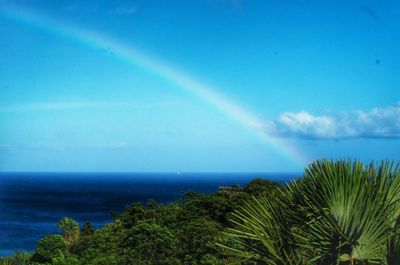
129	54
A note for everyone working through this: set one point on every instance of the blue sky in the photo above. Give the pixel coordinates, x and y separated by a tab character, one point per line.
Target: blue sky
199	86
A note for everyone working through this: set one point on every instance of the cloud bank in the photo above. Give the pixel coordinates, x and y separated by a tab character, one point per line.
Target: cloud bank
376	123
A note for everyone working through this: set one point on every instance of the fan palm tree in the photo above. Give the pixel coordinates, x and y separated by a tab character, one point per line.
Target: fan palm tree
70	228
340	212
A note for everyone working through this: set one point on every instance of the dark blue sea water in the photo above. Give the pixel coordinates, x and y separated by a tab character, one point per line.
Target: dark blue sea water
32	203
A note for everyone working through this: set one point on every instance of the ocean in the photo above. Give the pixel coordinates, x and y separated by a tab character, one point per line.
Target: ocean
32	203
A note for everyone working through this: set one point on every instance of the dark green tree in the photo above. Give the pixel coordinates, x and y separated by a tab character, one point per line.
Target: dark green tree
196	239
259	186
87	230
104	247
213	206
149	243
48	248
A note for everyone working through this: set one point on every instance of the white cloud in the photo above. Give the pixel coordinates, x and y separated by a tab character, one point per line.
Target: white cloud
375	123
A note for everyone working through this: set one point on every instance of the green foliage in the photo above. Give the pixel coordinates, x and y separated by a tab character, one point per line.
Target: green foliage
149	243
49	248
339	213
70	228
216	207
65	260
87	230
19	258
84	239
195	240
103	247
261	186
358	205
178	233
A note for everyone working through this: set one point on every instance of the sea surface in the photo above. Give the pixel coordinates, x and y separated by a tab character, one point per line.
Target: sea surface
32	203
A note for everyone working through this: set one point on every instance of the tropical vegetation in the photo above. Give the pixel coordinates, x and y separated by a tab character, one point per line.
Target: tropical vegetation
339	212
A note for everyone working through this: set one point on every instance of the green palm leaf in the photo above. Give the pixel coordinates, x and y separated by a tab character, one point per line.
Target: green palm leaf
340	212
